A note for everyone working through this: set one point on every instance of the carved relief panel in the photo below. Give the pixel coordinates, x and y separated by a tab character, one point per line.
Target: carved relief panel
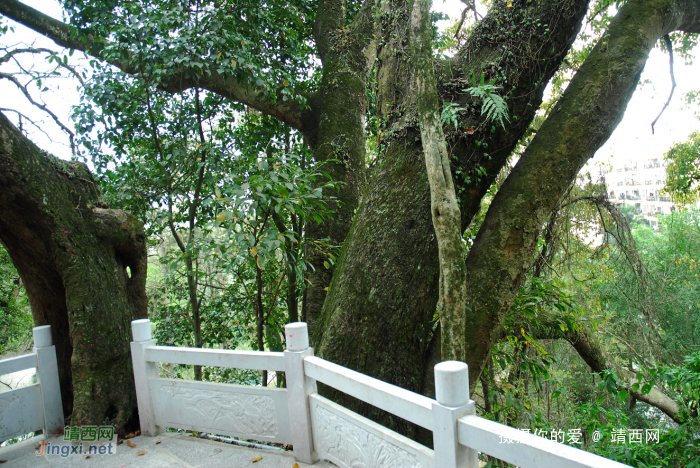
351	441
224	409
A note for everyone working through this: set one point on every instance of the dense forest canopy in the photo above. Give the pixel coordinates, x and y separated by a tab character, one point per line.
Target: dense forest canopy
407	192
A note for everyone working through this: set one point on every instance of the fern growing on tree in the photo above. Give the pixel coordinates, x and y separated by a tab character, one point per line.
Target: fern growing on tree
493	105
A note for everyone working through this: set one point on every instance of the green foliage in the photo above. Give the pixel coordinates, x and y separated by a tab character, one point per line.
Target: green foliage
658	308
677	448
493	106
15	316
683	170
260	45
636	296
223	193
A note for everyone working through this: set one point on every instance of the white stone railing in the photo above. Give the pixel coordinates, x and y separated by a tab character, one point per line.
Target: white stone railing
37	406
321	429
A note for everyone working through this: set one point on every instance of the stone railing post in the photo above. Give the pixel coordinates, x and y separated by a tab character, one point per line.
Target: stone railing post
299	387
452	395
47	377
143	371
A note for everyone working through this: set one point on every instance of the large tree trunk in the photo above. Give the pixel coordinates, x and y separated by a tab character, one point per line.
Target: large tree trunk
336	132
378	317
84	269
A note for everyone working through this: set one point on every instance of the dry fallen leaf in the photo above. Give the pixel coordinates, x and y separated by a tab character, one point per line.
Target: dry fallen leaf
296	465
37	447
130	444
158	442
257	459
3	461
88	457
129	436
59	432
120	441
140	452
216	439
137	433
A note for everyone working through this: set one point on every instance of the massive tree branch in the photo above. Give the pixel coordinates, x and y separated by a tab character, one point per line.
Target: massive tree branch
580	123
69	37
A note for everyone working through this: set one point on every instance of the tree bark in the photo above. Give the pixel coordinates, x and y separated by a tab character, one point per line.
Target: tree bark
378	314
84	269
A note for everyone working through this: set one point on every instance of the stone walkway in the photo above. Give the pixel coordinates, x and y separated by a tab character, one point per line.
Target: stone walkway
173	451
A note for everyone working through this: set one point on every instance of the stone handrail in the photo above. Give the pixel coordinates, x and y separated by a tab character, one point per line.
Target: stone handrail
37	406
320	429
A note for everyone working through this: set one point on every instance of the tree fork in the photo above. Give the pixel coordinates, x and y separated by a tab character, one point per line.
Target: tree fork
386	282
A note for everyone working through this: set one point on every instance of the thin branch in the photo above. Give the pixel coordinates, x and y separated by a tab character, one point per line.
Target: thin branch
470	6
31	50
597	12
274	297
156	140
43	107
21	115
669	46
248	294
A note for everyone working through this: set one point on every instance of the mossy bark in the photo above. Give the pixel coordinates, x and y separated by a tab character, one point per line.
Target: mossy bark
73	258
378	315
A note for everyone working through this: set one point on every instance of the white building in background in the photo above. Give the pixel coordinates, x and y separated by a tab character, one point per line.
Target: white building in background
638	183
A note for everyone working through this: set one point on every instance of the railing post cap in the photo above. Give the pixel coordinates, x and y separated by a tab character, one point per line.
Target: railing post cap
141	330
297	336
452	383
42	336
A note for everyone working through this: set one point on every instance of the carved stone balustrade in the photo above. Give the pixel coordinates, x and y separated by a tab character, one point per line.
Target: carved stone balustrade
320	429
37	406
